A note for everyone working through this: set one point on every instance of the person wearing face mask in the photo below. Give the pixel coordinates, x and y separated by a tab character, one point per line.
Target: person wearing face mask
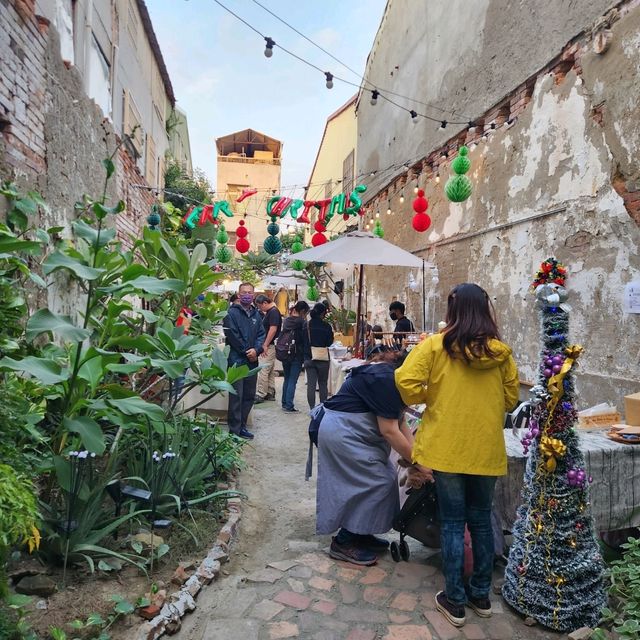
403	324
244	333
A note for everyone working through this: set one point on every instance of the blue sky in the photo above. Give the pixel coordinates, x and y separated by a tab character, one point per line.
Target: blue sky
224	82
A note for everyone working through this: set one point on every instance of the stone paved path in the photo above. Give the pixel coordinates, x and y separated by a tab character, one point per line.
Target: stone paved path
281	583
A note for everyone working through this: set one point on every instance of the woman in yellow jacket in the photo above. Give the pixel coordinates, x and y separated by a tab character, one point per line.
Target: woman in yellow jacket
468	379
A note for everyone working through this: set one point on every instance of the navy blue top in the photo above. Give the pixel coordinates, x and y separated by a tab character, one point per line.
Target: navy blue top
243	330
370	388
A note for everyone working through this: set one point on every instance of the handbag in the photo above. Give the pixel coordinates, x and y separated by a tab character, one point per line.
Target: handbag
320	353
317	353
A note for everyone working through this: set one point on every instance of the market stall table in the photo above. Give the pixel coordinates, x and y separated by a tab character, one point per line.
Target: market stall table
614	492
338	370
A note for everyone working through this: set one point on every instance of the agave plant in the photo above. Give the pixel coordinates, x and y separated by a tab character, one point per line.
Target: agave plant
261	262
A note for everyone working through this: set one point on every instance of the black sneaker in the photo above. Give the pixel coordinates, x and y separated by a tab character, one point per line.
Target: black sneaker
351	553
482	606
245	433
371	542
259	400
454	613
291	410
270	397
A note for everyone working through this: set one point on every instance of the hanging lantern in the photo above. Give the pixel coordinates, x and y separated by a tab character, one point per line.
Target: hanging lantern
421	221
272	244
312	291
222	253
378	230
297	245
318	238
153	219
298	265
459	187
242	244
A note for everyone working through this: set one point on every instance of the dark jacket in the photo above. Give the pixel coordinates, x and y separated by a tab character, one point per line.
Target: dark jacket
320	335
299	326
243	330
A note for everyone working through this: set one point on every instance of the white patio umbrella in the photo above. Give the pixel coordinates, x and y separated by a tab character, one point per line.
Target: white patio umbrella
288	279
363	248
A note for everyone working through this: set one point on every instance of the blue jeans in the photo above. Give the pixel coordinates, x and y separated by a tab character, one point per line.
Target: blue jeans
464	498
291	373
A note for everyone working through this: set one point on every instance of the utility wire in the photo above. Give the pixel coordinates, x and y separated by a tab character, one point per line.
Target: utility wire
414	114
363	79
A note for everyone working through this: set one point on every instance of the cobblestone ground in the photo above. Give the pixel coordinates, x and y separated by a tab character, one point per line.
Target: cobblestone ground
281	583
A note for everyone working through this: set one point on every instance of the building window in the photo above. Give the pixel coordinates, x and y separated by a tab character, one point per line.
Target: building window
150	162
348	167
133	25
159	97
99	77
132	123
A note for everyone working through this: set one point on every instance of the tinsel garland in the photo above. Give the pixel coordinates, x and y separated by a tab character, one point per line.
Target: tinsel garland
555	571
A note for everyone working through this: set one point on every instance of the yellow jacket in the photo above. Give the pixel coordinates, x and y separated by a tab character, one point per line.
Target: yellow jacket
461	429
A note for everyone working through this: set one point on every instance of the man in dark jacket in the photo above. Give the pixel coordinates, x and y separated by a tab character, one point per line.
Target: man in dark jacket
245	336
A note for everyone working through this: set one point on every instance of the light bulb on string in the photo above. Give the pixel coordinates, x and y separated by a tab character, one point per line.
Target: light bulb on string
402	197
389	208
377	214
329	77
414	116
374	97
472	127
437	178
268	50
443	156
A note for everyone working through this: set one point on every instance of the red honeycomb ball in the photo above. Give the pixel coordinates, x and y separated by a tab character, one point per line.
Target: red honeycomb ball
421	222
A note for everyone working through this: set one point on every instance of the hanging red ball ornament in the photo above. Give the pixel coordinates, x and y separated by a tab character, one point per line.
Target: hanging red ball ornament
242	245
318	238
319	226
421	222
241	231
420	204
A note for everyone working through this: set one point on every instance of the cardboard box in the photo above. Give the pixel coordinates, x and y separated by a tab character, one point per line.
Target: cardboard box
632	409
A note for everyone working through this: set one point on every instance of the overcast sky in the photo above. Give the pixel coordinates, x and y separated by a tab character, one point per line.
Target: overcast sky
223	81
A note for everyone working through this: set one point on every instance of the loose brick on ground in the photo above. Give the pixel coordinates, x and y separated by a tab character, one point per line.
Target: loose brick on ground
292	599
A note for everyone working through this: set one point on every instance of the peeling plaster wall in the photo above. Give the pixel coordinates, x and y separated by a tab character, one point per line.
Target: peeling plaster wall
542	187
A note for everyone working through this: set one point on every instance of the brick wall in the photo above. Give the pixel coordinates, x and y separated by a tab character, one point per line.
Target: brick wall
53	138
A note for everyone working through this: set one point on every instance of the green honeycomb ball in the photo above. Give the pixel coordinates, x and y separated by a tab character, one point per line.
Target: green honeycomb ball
461	163
297	265
272	244
312	294
297	246
223	253
273	229
222	237
458	188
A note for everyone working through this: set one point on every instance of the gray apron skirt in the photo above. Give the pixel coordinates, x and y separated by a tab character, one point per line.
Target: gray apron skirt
357	484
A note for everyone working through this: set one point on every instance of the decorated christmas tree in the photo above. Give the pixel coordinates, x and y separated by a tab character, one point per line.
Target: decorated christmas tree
555	571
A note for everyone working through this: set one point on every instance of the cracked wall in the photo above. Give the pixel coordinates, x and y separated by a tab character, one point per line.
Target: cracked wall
561	181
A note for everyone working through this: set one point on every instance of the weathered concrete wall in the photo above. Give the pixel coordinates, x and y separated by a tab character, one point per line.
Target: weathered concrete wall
561	181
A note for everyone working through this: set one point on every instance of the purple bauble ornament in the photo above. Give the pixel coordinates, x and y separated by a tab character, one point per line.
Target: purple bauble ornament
557	368
547	373
571	474
548	362
557	360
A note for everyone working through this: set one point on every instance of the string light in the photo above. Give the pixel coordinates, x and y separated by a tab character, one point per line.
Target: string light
472	127
374	97
329	77
443	156
268	50
389	207
414	116
437	178
402	198
377	214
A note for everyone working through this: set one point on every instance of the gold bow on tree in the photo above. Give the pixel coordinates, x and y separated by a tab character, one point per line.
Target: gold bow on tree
554	385
552	449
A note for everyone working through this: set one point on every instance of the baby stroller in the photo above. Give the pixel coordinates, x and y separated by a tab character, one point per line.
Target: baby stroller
417	519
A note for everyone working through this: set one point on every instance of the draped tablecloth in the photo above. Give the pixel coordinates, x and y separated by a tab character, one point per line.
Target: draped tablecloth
338	370
614	492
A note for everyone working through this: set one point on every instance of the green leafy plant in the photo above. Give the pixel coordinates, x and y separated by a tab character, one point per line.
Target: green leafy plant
624	594
95	626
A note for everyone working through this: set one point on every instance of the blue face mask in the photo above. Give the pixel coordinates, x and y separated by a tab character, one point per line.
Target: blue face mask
245	299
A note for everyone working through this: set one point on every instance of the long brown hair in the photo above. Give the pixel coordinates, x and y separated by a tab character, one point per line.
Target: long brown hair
471	322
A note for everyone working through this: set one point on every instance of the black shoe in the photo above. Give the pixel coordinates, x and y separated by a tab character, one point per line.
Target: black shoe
351	553
259	400
482	606
244	433
454	613
270	397
373	543
292	410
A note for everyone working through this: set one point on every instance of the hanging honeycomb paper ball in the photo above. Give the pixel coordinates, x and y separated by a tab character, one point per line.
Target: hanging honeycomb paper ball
153	219
458	188
297	265
421	222
223	253
318	238
297	245
273	229
461	163
222	237
272	244
312	291
420	204
378	230
242	245
241	231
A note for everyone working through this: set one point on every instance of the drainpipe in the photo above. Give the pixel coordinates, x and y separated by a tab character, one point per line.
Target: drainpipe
88	34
